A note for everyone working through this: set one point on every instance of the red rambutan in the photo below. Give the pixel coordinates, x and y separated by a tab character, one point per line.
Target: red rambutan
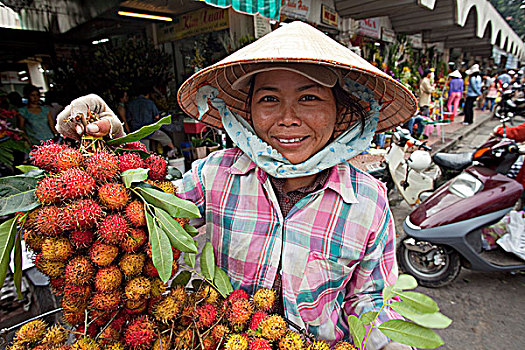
158	167
134	145
136	238
113	195
108	279
43	156
82	238
49	220
137	288
238	294
103	254
130	160
113	229
79	271
140	334
77	293
58	285
220	333
33	240
102	166
53	269
75	183
259	344
68	158
240	312
257	318
81	214
205	315
149	269
74	318
106	301
135	213
46	191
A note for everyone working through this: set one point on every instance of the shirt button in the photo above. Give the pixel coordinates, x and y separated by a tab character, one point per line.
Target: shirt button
286	200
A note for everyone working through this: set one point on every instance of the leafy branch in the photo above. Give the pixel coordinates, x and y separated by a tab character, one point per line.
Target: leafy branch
420	309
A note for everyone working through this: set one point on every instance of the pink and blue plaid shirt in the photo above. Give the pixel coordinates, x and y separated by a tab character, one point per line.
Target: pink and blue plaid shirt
336	244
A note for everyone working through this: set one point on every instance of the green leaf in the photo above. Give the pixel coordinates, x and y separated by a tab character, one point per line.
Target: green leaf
419	301
177	236
222	282
7	239
208	262
387	292
141	133
405	282
17	194
174	172
175	206
192	231
368	317
409	333
430	320
182	278
197	283
162	254
189	259
134	175
357	329
17	275
27	168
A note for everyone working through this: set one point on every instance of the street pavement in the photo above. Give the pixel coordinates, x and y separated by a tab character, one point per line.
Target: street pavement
487	309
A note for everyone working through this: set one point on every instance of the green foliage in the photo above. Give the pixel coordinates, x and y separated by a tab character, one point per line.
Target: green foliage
7	240
421	310
141	133
17	193
512	12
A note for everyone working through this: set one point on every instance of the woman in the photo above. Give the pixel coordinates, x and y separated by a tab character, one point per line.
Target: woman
285	209
455	92
36	119
473	92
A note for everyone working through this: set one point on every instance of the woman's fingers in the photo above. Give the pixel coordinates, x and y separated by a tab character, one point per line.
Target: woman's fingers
99	128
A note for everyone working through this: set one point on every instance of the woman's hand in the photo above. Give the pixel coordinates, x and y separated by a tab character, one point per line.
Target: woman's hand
396	346
69	126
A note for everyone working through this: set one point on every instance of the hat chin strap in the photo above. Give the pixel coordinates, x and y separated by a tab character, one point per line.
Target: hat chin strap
347	145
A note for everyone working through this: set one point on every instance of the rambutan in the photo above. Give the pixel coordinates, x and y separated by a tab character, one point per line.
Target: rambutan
113	195
257	319
31	332
167	186
135	239
49	220
74	318
74	305
318	345
68	158
259	344
79	271
108	279
264	299
291	341
81	238
220	333
179	293
91	331
103	254
136	306
53	269
55	336
73	292
46	191
236	342
208	294
131	264
115	346
182	221
134	145
81	214
184	339
33	240
113	229
344	345
273	328
238	294
56	249
140	334
149	269
157	287
85	344
167	309
130	160
158	167
57	284
239	312
135	213
102	166
162	343
30	220
137	288
205	315
106	301
209	343
75	183
109	335
43	156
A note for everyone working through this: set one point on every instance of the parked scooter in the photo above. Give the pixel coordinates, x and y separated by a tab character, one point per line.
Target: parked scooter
444	231
512	102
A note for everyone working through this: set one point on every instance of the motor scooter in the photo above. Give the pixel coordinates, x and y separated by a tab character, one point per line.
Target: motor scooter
444	231
512	102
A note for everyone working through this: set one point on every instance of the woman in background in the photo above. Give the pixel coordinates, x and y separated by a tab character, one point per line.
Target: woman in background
35	119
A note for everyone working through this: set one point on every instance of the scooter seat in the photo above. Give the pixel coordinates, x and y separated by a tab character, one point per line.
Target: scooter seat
453	161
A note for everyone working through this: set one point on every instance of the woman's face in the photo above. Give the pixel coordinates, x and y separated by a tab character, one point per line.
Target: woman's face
292	113
34	97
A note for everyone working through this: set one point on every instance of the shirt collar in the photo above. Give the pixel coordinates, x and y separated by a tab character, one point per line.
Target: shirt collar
336	181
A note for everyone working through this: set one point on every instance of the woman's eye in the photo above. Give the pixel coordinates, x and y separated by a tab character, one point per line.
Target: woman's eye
309	98
268	99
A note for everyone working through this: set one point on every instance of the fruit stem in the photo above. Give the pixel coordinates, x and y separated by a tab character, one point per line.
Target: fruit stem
372	325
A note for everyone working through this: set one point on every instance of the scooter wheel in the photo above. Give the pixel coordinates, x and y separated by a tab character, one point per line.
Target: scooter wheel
433	269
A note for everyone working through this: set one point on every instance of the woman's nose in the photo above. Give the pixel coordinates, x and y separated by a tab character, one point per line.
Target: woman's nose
289	116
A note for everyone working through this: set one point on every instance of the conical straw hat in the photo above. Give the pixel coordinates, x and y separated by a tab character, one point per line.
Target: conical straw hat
296	42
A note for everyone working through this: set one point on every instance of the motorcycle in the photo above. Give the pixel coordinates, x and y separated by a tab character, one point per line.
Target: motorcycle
511	104
444	231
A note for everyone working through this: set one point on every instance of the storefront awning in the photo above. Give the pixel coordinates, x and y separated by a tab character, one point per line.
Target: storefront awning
266	8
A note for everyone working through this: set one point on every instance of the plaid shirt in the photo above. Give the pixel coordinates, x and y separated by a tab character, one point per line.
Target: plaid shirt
337	243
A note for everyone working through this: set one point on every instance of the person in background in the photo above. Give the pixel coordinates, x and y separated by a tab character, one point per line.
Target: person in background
284	209
36	119
473	92
122	98
455	92
426	88
504	78
142	111
52	103
492	93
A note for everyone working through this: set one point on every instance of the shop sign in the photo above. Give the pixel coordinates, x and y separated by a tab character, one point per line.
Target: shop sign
416	41
202	21
369	27
261	25
298	9
10	77
388	35
328	16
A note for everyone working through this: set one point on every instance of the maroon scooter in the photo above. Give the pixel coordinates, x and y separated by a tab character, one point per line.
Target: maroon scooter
444	232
